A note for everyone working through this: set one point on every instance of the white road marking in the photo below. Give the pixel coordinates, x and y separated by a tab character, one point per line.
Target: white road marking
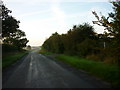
31	60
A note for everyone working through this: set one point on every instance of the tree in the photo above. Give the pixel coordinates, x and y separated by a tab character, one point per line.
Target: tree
111	23
11	34
116	21
54	43
9	24
68	43
87	47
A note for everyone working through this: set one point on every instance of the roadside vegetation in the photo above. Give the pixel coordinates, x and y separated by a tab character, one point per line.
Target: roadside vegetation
83	41
104	71
11	34
11	58
101	52
13	39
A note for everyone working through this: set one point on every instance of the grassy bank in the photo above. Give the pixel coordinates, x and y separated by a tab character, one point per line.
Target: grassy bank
106	72
10	58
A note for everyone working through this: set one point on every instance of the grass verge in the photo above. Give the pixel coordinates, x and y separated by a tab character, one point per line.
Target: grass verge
11	58
106	72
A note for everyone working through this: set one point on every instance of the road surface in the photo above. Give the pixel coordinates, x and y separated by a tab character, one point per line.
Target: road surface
38	71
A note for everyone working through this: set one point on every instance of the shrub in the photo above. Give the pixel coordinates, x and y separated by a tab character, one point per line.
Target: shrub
86	47
93	57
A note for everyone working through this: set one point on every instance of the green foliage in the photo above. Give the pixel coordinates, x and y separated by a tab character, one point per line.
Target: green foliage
86	47
54	43
68	43
11	58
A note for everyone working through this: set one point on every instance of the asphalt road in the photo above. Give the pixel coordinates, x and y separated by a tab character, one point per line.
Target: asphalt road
38	71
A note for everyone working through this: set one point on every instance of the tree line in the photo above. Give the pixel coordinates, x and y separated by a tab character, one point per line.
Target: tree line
83	41
12	37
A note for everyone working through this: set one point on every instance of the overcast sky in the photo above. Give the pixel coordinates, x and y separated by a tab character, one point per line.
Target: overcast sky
40	18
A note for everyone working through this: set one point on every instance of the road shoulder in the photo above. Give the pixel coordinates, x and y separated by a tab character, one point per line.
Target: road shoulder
7	72
82	74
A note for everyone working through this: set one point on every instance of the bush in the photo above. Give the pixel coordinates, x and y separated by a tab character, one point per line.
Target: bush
93	57
86	47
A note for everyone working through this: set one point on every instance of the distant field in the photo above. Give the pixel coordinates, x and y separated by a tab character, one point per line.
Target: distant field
11	58
106	72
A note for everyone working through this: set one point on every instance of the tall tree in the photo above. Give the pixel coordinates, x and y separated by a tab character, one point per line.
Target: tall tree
111	23
68	43
9	24
11	34
116	21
